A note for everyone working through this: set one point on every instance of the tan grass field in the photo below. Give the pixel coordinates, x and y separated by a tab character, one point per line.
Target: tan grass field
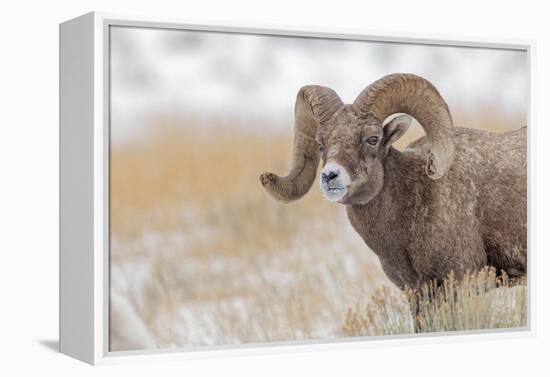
201	255
481	300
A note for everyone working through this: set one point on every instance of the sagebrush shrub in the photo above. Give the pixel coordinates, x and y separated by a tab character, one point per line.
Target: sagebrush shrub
480	300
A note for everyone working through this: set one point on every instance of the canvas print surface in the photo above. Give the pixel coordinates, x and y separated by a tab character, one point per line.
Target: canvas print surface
273	189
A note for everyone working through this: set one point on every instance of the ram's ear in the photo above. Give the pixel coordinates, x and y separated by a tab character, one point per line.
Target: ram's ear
394	130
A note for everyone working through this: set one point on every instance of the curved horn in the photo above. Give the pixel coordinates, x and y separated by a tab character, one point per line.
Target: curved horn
315	105
416	96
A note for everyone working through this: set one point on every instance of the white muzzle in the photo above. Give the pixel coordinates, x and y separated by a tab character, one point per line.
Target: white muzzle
334	181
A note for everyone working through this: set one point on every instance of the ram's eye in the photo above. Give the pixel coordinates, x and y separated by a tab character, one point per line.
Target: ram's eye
372	140
321	148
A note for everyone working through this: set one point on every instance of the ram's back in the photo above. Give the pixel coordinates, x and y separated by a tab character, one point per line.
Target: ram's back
489	176
487	156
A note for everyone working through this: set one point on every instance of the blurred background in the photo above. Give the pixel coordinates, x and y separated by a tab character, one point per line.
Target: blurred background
200	255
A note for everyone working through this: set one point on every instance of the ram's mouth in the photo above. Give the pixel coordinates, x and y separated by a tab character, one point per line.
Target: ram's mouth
334	193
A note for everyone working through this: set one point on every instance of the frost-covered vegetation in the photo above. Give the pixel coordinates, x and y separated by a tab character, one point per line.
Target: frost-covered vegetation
481	300
205	257
200	255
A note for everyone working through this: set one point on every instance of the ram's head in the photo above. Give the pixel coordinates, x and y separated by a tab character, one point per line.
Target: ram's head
353	142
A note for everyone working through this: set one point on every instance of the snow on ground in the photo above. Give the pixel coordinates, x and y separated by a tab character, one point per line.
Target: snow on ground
189	299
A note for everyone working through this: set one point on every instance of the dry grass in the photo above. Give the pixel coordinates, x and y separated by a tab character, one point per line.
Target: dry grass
186	162
195	167
480	300
203	256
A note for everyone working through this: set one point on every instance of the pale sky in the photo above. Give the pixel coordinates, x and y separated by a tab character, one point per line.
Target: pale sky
255	78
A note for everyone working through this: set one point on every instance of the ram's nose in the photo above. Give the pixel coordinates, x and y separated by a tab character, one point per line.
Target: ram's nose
329	175
334	174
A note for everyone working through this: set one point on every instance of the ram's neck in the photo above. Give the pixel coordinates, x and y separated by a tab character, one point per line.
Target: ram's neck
384	222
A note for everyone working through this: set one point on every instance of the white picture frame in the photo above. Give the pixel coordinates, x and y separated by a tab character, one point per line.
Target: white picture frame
84	197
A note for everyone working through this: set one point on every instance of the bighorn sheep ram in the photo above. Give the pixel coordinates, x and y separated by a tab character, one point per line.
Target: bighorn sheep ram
454	200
